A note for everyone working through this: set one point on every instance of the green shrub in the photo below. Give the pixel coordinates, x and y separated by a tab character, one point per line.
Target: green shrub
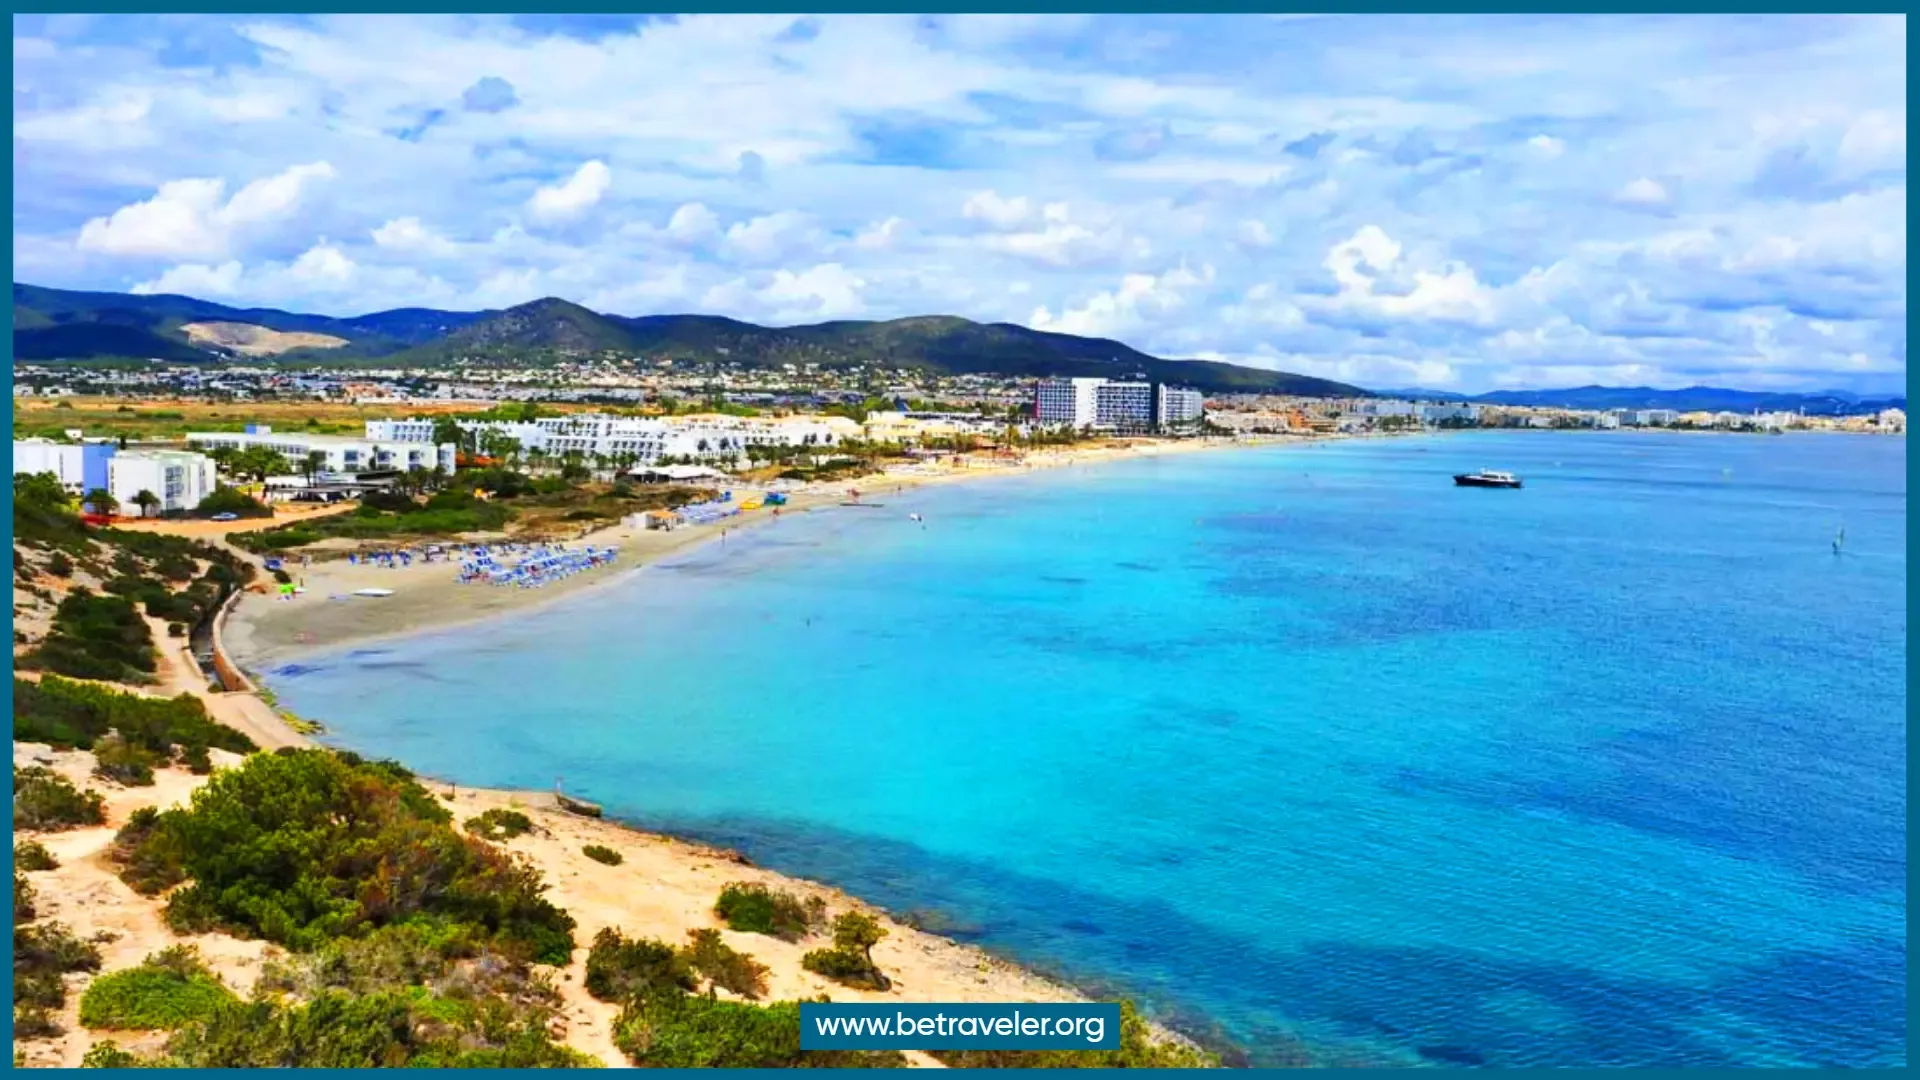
31	855
227	500
374	848
59	565
170	989
42	955
44	800
618	968
117	760
424	994
756	909
197	760
850	961
723	967
35	1022
1137	1050
96	637
600	853
500	824
24	899
106	1055
671	1030
73	714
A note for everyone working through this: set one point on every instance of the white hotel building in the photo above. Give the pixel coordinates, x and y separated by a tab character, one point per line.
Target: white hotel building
338	453
648	439
1115	406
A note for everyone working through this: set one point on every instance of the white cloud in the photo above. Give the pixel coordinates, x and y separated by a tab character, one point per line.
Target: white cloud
407	236
322	268
998	212
187	219
827	291
195	279
1643	192
881	234
574	195
693	223
1140	299
1548	146
1358	263
1254	233
771	236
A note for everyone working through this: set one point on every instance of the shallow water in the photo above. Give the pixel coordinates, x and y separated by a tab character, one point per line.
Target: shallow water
1303	743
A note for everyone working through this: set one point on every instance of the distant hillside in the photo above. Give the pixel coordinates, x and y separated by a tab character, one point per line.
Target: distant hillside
54	324
1690	399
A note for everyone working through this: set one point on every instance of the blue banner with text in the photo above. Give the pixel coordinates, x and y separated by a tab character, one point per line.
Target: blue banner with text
835	1026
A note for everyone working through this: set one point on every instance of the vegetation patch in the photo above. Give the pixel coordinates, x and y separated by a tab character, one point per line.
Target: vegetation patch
44	800
427	994
73	714
720	965
499	824
756	909
600	853
302	847
169	990
850	961
618	968
32	856
96	637
42	956
671	1030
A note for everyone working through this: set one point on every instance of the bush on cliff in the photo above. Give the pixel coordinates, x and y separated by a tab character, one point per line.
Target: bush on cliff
850	961
670	1030
169	990
304	846
422	995
754	908
74	714
46	801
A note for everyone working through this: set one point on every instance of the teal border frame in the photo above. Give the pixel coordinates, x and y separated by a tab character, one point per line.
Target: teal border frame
1207	7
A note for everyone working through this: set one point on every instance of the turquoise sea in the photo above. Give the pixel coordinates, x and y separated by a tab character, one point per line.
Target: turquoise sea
1301	747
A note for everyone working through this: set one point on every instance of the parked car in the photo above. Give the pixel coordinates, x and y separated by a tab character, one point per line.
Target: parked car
226	515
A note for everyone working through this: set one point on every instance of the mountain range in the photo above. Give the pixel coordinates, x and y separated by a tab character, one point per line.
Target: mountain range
60	324
1688	399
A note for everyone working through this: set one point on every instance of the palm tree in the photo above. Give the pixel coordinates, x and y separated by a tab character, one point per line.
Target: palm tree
101	501
146	501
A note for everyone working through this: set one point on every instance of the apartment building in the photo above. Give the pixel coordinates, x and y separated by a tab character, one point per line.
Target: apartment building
1067	401
178	478
81	467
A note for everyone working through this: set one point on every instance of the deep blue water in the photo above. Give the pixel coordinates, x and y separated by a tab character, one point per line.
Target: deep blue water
1305	745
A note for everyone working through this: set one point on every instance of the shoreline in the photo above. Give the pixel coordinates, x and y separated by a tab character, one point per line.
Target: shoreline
262	632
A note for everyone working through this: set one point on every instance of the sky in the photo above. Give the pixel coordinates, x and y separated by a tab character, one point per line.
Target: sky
1443	202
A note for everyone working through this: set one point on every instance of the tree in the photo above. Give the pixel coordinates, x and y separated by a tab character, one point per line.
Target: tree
146	501
101	501
41	490
316	460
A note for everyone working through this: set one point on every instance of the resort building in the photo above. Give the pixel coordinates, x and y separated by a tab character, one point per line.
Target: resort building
1179	408
1128	407
1066	401
414	430
81	467
1124	406
336	453
646	440
178	478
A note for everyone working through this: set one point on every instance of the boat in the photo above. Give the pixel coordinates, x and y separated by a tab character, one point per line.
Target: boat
373	592
1487	478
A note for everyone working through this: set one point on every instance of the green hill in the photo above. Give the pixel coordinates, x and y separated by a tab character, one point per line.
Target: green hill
57	324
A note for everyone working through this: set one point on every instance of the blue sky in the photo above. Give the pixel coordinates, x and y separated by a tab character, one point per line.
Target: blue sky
1462	203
